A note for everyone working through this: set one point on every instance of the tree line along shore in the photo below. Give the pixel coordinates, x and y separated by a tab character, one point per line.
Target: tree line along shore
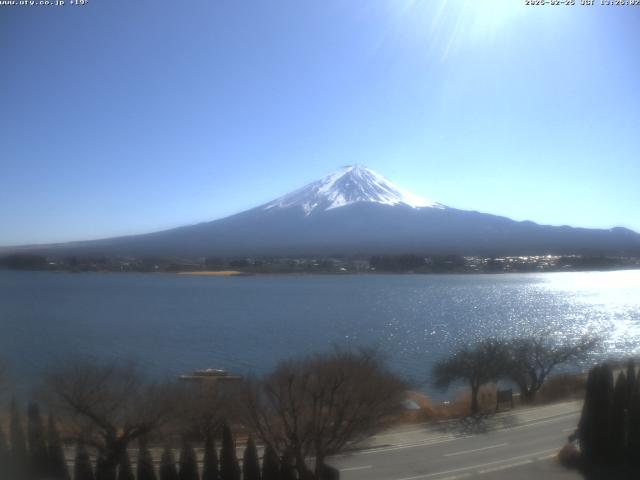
337	264
114	423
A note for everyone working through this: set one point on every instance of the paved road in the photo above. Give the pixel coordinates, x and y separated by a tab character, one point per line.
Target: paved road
522	444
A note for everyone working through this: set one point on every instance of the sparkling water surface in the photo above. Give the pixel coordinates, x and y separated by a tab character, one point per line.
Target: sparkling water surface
173	324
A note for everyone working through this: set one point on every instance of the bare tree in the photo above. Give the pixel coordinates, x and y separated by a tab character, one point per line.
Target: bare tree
205	407
532	359
321	404
476	365
110	405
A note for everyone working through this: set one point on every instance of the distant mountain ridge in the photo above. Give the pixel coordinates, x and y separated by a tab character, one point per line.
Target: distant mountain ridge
356	211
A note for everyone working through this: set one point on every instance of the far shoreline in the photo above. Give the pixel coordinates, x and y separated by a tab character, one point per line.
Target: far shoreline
240	273
215	273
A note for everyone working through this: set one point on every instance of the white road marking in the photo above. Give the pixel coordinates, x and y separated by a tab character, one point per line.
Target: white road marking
444	439
403	446
528	412
547	457
350	469
475	467
454	454
504	467
533	424
457	477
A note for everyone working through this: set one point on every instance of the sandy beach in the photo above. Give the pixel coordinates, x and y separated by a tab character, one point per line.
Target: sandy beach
220	273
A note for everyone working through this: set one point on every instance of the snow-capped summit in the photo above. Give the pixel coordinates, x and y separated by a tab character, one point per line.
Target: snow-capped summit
348	185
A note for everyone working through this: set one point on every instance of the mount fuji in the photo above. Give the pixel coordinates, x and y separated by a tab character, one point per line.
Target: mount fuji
356	211
346	186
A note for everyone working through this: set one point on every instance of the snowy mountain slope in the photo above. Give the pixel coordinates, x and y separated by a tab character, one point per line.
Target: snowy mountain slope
356	211
346	186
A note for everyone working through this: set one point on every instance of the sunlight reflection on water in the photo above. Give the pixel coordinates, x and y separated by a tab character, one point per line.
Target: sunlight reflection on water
445	313
606	303
173	324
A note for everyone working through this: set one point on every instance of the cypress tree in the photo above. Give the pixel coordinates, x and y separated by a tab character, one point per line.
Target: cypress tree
57	463
229	468
619	423
270	464
4	456
4	447
603	414
586	425
145	470
188	462
210	460
37	443
168	470
125	472
250	462
103	472
287	472
631	381
82	469
633	443
19	457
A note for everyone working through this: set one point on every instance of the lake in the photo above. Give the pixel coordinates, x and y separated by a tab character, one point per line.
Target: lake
173	324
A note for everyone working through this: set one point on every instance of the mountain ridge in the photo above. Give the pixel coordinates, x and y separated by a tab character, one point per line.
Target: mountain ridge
355	210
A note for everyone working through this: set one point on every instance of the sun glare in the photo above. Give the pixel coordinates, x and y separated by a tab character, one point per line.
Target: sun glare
454	24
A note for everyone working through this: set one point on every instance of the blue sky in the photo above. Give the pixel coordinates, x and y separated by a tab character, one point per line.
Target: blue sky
121	117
